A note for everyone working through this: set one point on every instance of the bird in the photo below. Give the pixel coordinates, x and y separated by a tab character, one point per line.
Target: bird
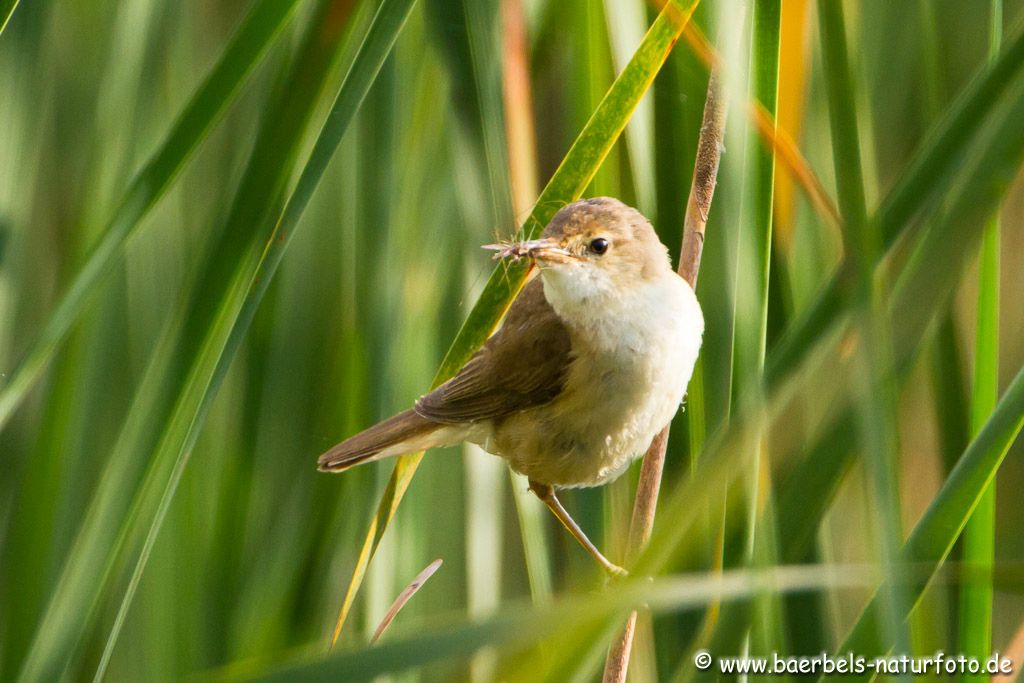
591	361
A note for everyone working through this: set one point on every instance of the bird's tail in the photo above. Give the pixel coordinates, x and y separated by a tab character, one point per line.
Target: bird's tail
406	432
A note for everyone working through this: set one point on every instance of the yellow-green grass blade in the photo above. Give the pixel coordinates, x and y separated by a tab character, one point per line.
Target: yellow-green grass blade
207	105
979	535
568	182
517	627
7	8
918	296
250	281
750	321
109	522
981	183
929	176
941	524
875	396
755	238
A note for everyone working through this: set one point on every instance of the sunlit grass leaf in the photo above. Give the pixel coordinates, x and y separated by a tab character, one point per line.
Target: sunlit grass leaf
7	8
519	626
979	184
979	546
916	299
933	536
207	105
931	173
572	177
750	320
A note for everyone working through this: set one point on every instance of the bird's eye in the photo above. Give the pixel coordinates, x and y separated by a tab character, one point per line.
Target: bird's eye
599	245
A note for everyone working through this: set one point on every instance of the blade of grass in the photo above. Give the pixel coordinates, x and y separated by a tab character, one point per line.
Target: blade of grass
205	108
981	182
749	274
979	535
404	597
85	573
979	185
752	287
573	175
934	536
7	8
250	282
754	255
751	277
751	324
875	393
928	177
520	626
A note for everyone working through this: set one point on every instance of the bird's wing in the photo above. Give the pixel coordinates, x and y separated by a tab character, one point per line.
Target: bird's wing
521	366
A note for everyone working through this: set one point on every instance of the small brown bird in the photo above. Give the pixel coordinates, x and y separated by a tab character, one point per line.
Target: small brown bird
591	362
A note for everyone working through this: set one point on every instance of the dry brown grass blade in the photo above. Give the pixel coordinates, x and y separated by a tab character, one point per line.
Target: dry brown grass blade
404	597
519	128
702	190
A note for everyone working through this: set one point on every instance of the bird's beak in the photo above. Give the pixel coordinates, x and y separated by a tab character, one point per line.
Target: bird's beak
544	250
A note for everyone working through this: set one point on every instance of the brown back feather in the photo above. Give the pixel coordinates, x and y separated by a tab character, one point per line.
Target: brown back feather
521	366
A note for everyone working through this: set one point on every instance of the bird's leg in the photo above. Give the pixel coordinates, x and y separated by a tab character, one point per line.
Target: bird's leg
546	493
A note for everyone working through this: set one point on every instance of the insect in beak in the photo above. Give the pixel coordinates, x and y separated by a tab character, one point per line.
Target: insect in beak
546	249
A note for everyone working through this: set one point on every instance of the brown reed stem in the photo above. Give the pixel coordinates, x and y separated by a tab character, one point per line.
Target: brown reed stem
702	189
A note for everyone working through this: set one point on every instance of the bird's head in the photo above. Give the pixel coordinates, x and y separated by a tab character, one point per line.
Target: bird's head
593	252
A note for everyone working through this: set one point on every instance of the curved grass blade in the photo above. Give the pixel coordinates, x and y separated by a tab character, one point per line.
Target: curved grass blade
981	182
205	108
404	597
918	295
568	182
99	541
251	280
934	536
520	626
929	176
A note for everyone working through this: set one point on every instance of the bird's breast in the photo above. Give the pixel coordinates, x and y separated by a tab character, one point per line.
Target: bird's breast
629	370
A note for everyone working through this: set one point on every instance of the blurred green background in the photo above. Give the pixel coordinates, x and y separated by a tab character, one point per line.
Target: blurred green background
448	151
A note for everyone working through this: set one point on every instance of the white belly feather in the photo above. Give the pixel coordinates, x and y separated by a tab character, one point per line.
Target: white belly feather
628	376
